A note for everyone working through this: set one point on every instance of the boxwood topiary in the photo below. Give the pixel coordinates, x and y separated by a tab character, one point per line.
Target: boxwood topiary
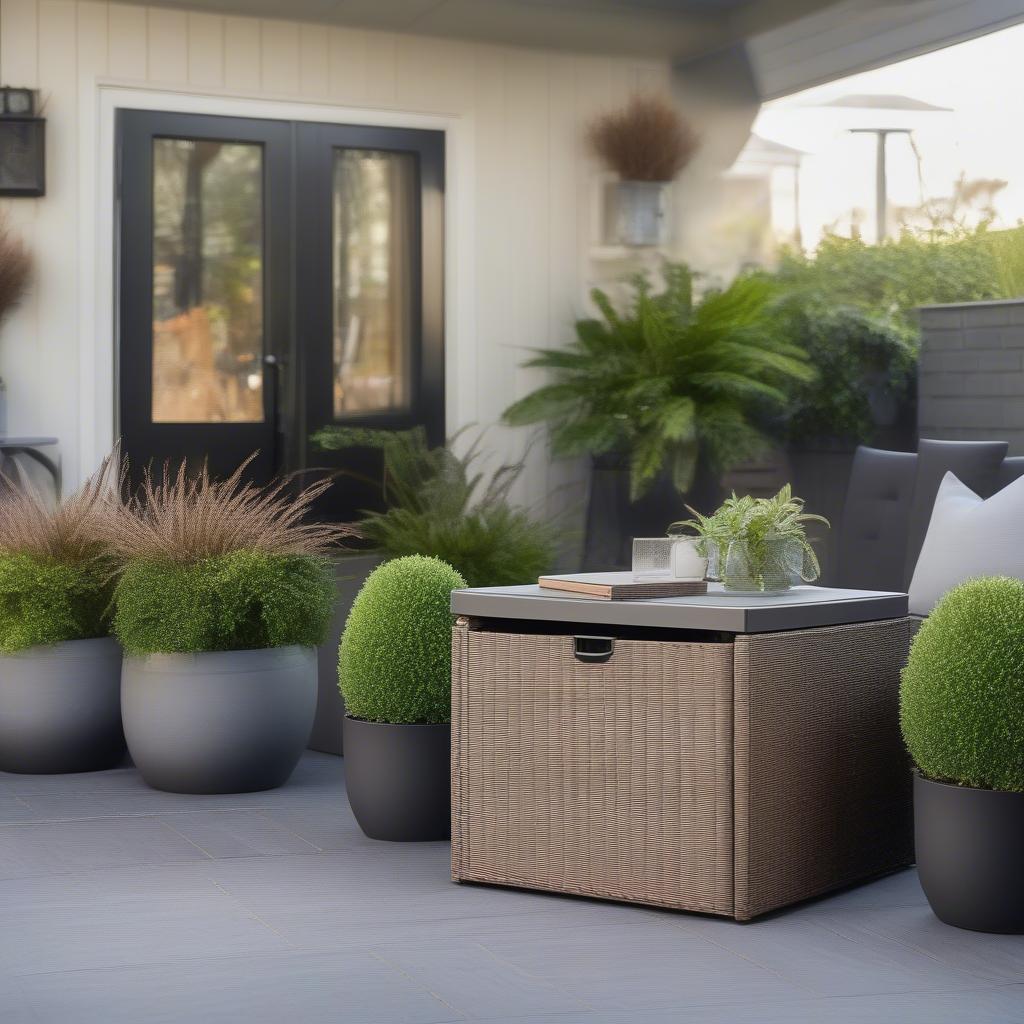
962	694
241	600
394	663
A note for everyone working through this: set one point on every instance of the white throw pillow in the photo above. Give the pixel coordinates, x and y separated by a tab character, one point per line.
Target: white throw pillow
968	537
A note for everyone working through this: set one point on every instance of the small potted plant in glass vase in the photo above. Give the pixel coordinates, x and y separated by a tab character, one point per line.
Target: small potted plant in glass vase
60	670
394	669
757	545
225	592
962	716
647	144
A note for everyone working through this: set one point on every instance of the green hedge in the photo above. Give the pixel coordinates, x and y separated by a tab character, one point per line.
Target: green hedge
238	601
394	664
962	695
46	601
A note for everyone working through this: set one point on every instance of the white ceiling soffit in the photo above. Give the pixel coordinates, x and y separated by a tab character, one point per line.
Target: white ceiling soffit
858	35
682	29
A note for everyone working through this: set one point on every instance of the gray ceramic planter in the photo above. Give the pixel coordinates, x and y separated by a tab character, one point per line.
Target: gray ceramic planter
60	708
219	722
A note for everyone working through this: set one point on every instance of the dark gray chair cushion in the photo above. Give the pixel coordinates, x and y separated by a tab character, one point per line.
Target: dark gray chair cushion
1011	469
874	529
975	463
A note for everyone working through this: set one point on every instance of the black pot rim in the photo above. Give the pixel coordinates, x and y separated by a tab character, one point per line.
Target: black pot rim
963	787
400	725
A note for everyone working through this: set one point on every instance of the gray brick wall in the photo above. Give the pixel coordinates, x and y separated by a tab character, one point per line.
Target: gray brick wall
971	374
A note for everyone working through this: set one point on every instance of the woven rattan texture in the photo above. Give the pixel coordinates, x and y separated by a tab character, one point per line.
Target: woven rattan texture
823	794
611	780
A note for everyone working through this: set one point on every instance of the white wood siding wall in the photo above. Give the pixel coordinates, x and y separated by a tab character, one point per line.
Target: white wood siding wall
532	180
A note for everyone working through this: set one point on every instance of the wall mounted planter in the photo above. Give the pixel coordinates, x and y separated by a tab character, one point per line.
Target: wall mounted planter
60	708
970	847
399	779
219	722
641	212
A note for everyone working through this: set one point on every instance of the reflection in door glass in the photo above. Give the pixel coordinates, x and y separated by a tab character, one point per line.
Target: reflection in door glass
373	224
207	282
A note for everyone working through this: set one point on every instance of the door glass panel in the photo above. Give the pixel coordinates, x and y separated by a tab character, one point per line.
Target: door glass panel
373	211
207	281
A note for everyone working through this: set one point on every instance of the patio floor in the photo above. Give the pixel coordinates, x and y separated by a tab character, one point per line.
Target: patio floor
121	904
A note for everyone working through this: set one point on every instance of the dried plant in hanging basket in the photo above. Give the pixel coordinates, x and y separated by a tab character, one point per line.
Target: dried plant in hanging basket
647	140
15	269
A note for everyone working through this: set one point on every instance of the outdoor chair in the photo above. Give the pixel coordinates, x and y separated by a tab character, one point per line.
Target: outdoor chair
889	504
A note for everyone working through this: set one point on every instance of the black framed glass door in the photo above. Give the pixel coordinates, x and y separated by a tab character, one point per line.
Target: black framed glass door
276	277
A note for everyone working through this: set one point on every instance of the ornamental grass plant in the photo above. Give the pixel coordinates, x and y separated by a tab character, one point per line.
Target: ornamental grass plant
213	565
56	567
647	140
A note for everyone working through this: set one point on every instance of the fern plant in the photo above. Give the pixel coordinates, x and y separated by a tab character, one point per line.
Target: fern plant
668	379
438	504
757	542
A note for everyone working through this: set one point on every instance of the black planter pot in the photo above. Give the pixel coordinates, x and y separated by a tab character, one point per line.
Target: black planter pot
399	779
970	848
613	520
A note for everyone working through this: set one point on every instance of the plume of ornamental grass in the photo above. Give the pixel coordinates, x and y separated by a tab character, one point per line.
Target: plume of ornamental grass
72	531
184	518
15	269
56	572
647	140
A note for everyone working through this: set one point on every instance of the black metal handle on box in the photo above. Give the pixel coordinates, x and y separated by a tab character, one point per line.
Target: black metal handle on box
594	650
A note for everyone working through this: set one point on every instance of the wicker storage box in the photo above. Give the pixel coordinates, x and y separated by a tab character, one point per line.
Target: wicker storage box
730	775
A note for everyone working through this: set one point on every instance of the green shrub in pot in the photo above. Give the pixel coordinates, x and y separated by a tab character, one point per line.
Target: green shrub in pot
438	504
394	670
60	671
225	592
962	716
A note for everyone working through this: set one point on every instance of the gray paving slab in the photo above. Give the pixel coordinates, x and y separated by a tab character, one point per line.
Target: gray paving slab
120	904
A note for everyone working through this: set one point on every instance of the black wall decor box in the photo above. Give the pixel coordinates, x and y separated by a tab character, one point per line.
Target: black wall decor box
22	156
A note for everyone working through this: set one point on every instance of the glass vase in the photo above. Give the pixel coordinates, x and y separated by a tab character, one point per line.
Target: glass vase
770	565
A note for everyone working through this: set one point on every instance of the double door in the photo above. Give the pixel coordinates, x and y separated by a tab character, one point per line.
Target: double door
277	277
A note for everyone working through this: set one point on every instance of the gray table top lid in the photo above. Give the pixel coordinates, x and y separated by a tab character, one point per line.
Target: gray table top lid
800	608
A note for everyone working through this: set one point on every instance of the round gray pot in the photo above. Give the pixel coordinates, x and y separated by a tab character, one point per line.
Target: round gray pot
60	708
398	779
221	721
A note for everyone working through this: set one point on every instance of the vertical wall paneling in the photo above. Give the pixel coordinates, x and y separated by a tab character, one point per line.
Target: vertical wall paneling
314	61
280	57
46	399
93	60
206	50
167	49
347	65
19	42
242	54
126	46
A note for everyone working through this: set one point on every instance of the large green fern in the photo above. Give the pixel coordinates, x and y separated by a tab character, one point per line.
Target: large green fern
443	505
667	379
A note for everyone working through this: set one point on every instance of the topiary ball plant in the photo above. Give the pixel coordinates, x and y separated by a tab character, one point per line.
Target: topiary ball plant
394	663
962	694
